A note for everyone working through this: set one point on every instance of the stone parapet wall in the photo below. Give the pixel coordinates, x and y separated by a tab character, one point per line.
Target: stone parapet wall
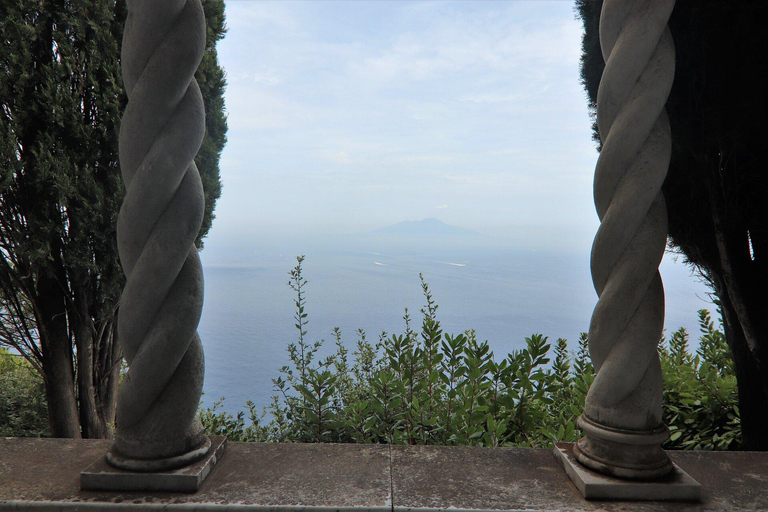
44	474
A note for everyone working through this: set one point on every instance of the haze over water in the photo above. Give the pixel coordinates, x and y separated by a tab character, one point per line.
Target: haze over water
503	292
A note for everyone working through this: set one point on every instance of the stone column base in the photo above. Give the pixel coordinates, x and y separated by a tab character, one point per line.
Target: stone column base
120	461
636	455
103	476
675	485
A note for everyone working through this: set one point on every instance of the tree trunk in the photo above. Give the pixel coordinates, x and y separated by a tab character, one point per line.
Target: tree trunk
82	327
59	376
739	287
751	380
109	391
107	357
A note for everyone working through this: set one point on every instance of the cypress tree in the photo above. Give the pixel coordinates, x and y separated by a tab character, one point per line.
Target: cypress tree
61	100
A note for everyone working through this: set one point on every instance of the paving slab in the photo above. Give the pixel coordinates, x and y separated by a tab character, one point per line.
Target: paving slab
437	478
729	480
44	474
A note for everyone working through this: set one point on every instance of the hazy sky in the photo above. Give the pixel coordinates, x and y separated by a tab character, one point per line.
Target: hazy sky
346	117
349	116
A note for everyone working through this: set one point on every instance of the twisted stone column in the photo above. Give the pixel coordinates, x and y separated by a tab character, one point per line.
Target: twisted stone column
622	421
161	132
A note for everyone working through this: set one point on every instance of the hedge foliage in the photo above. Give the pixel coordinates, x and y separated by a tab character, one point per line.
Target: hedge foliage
424	386
23	409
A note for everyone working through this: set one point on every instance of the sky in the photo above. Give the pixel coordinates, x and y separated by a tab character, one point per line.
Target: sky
345	117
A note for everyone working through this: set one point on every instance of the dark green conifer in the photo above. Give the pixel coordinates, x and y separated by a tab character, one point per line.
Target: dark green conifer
61	100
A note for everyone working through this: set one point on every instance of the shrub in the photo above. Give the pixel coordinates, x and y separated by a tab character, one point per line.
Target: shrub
700	394
431	387
23	408
220	423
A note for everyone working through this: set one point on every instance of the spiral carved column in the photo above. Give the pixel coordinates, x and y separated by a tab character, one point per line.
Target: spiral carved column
161	132
622	420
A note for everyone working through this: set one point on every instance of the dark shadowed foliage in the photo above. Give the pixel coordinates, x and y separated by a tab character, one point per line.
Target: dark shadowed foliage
716	188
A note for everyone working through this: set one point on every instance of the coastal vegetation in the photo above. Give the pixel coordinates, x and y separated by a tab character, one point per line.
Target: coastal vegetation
425	386
23	410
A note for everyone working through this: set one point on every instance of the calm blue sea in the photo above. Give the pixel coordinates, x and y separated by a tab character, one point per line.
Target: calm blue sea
504	294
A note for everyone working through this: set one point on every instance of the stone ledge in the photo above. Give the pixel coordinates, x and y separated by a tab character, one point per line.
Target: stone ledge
44	474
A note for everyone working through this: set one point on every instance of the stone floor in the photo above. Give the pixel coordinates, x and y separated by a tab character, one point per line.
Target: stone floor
44	474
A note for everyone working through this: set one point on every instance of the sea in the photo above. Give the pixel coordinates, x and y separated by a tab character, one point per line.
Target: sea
504	293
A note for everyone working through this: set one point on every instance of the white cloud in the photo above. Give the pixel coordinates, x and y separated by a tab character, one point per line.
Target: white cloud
268	77
261	108
448	42
245	16
339	157
392	106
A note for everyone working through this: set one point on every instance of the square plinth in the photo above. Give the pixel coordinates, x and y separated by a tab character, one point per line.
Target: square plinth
100	476
678	485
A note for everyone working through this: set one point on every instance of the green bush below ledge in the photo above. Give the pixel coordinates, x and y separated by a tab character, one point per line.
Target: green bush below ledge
430	387
23	408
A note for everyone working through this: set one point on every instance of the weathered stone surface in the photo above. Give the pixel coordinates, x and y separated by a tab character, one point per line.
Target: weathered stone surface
160	307
300	476
675	485
40	473
44	474
622	420
441	478
101	476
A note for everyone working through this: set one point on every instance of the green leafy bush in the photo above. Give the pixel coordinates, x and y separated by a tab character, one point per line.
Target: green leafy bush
431	387
700	395
23	409
220	423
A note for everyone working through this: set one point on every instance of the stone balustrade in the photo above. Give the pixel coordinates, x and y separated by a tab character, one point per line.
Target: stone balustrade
43	474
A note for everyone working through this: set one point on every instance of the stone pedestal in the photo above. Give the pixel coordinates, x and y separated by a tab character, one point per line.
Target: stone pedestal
623	453
676	484
103	476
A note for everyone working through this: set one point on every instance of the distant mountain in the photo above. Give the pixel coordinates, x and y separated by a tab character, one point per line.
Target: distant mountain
426	227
